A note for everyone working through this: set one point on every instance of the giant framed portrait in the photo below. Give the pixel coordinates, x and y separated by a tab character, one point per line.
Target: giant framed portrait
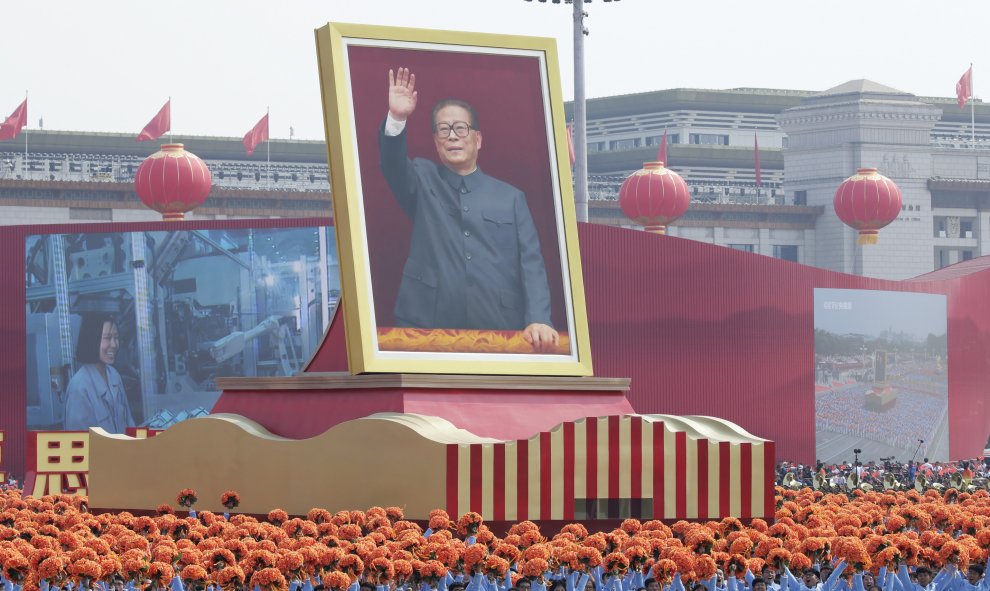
453	202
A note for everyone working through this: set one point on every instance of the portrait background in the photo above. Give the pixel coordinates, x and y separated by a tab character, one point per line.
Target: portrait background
507	94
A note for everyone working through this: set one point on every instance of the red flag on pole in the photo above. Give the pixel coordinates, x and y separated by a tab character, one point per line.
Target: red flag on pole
161	123
12	126
756	160
258	134
662	152
964	88
570	143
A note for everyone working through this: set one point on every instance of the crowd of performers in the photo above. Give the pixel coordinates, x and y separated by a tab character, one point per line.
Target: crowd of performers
862	541
963	475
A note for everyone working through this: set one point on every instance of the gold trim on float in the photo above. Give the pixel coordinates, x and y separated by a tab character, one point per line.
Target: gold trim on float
362	353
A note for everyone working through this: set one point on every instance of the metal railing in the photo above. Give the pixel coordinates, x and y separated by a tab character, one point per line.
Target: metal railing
110	168
723	192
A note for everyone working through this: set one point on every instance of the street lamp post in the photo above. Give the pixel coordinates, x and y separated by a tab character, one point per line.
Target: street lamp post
580	117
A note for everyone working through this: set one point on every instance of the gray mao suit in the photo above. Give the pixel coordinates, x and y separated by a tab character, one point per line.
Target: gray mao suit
474	256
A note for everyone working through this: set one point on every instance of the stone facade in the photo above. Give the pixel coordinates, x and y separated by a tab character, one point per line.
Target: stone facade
863	124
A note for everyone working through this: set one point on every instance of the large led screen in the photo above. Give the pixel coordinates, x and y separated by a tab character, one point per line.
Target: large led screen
881	376
133	328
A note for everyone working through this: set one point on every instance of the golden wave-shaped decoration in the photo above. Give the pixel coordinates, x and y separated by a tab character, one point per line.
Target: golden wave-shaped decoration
384	459
447	340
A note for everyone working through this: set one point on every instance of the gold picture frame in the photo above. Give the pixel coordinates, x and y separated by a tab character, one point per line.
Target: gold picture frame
515	83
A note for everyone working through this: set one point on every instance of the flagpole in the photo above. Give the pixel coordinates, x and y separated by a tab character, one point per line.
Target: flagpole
268	145
24	169
972	105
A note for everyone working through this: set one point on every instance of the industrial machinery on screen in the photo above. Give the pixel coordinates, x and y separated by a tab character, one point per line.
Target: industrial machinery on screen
190	306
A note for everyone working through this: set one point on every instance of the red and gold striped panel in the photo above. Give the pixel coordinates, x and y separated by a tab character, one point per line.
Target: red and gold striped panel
646	466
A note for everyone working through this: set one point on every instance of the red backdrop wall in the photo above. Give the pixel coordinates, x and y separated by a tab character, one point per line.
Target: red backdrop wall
506	92
704	329
709	330
700	329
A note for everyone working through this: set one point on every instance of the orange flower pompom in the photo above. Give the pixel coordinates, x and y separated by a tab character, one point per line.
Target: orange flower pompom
799	562
615	563
739	562
290	563
269	579
432	571
194	574
439	519
755	565
631	526
469	523
229	578
535	568
351	565
382	571
889	557
778	558
741	545
664	570
336	580
704	567
403	570
495	566
85	569
186	498
53	569
951	552
853	551
230	499
474	555
161	574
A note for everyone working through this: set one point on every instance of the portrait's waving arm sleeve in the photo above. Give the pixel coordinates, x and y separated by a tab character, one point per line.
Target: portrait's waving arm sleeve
398	170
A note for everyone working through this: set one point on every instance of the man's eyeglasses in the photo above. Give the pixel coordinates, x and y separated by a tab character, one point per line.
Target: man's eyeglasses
460	129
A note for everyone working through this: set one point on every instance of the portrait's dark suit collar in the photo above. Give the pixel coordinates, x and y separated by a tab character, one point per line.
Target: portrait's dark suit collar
457	182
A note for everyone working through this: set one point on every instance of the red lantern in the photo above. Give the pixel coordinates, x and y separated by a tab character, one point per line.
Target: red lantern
172	181
867	201
654	196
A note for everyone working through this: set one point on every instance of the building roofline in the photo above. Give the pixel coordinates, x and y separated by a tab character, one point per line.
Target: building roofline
753	100
960	269
206	147
686	155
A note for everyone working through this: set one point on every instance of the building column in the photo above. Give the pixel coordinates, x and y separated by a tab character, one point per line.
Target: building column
983	233
764	247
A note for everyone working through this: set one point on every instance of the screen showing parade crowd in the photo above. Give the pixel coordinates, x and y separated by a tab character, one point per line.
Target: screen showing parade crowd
881	376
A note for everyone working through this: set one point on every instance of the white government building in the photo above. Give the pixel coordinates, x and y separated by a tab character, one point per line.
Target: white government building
809	143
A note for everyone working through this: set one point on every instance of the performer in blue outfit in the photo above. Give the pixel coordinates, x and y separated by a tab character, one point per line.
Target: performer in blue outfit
95	396
474	258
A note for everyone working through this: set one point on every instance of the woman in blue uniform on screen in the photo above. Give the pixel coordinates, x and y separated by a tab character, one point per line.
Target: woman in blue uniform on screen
95	396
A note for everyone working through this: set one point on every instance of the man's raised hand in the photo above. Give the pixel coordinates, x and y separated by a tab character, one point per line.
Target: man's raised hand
401	94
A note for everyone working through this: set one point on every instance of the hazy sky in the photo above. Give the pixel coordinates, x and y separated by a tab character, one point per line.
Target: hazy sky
109	65
870	312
